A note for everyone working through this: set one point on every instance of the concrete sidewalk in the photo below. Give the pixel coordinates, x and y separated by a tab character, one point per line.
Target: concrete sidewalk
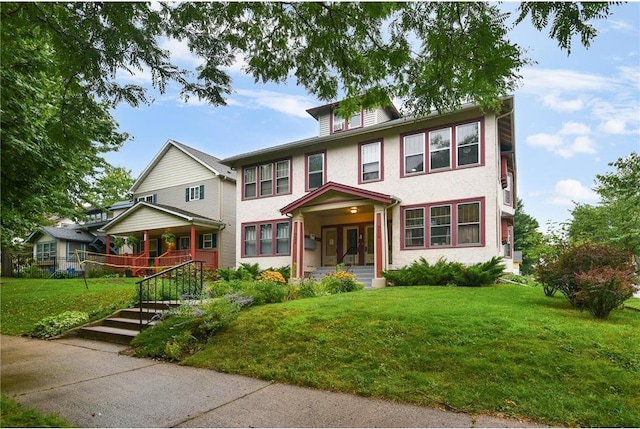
91	385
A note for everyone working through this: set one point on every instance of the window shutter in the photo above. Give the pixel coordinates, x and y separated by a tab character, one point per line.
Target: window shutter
202	192
201	241
155	198
186	195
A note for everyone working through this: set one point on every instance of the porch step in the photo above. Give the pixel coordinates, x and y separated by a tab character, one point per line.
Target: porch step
364	273
108	334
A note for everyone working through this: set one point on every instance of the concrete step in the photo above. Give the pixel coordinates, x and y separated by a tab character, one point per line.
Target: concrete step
126	323
108	333
364	273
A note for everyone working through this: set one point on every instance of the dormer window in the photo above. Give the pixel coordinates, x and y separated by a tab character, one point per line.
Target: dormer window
341	124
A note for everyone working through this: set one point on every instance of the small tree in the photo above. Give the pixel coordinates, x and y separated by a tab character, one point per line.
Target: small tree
562	270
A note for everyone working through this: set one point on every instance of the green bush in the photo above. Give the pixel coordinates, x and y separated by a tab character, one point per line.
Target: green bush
266	292
56	325
185	329
561	269
603	289
443	273
340	281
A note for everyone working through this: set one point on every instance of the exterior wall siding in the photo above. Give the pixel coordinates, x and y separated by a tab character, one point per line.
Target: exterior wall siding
174	196
173	165
227	236
342	166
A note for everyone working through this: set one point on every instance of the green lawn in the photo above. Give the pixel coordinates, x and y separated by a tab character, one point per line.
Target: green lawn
24	302
503	350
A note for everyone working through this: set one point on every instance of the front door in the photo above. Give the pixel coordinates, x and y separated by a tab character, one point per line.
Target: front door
350	246
330	246
369	245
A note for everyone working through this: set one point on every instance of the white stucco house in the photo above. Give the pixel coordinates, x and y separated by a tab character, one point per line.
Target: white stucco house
380	190
188	195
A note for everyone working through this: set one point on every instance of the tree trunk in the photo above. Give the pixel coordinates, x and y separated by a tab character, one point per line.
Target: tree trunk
6	265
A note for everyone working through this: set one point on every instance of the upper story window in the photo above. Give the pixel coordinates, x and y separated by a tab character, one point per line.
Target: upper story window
508	191
264	176
450	224
315	170
414	153
147	198
370	161
193	193
447	148
440	149
341	124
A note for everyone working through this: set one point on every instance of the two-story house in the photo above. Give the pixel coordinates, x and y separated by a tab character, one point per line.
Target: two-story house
381	190
184	207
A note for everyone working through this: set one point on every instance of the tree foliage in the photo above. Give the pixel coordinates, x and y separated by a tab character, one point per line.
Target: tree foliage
61	60
527	238
616	219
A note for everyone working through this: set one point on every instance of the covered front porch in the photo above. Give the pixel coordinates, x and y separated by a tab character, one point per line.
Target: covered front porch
161	237
340	225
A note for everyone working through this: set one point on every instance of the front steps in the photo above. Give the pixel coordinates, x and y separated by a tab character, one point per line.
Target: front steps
123	325
364	273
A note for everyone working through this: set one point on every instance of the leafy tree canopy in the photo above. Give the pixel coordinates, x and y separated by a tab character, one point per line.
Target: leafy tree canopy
60	61
616	220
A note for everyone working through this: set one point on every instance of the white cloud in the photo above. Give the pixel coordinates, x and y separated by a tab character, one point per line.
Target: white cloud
138	77
294	105
561	145
555	102
568	191
538	81
574	128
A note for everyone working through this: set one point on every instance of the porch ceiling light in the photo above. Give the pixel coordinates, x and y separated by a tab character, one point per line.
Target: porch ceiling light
353	210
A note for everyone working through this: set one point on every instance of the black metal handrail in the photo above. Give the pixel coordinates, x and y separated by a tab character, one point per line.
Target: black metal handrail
171	286
349	251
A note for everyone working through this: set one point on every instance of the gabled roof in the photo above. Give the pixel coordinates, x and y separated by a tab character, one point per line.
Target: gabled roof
391	110
183	214
208	161
68	234
337	187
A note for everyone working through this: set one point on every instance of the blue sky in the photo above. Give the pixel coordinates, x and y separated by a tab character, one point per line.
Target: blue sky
574	114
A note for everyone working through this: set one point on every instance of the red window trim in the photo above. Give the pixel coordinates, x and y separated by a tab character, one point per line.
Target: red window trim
381	166
273	223
274	179
453	148
454	223
306	169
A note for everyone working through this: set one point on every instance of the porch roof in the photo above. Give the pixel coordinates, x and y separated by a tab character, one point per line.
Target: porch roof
187	217
339	188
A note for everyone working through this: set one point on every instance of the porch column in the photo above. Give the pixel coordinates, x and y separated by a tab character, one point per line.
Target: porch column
381	256
146	239
108	243
297	248
193	242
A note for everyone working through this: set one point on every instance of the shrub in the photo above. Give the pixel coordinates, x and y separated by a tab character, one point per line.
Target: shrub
603	289
272	276
442	273
340	281
560	270
266	292
184	329
310	289
56	325
484	273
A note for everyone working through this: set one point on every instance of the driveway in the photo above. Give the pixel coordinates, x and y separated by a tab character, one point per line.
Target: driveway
91	384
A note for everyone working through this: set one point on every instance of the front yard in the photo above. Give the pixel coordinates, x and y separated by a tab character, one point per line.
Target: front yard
504	350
